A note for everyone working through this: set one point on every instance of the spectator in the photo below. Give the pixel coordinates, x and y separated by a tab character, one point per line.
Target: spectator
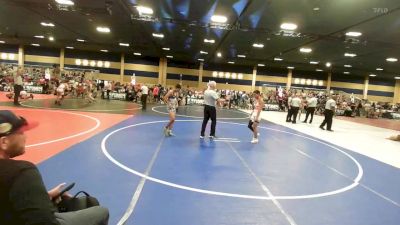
24	199
145	91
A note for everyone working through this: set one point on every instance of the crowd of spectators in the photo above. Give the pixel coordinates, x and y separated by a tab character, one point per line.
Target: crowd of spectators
274	98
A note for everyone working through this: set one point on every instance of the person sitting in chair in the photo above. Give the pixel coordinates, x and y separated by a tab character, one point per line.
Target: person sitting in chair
23	196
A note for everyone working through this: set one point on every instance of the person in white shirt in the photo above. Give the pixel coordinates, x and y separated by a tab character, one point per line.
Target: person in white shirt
210	98
289	105
18	85
329	110
311	104
109	87
295	105
145	91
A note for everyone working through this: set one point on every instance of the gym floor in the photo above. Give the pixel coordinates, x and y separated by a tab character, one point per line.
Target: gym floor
297	174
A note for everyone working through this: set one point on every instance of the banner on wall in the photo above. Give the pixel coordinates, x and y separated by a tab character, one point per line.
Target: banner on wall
33	89
271	107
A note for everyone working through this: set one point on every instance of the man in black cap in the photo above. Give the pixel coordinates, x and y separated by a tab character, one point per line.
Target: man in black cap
23	196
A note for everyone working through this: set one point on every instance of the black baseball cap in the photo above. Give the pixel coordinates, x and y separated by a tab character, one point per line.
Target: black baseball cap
10	123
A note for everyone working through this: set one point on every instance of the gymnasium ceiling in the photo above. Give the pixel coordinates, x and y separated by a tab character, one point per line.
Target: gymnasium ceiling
321	25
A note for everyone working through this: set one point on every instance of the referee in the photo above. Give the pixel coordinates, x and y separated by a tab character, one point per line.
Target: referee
18	85
210	98
329	110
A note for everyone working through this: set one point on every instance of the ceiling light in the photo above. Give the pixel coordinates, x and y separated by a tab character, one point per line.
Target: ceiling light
353	34
137	53
39	36
219	54
85	62
233	75
372	75
221	74
258	45
345	72
103	29
391	59
319	70
69	47
314	62
99	63
124	44
241	56
290	67
4	55
316	8
65	2
379	69
212	41
305	50
166	49
230	62
35	45
202	60
219	19
227	75
278	59
158	35
240	76
92	63
215	74
47	24
106	64
348	66
397	78
314	82
144	10
104	50
78	62
170	56
2	42
80	40
288	26
260	65
350	54
203	52
51	38
328	64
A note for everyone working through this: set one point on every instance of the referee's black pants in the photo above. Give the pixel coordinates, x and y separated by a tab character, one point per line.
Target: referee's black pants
209	112
143	99
289	115
328	119
17	90
310	111
295	111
